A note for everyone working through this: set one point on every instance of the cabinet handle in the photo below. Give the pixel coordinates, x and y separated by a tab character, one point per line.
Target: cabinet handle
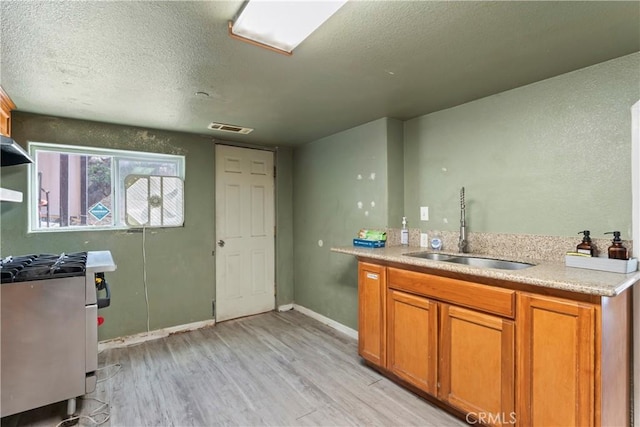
372	276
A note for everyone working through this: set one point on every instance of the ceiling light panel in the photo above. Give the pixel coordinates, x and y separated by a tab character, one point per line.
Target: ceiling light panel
283	24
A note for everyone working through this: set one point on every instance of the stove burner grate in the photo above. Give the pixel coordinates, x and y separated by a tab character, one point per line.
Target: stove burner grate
41	267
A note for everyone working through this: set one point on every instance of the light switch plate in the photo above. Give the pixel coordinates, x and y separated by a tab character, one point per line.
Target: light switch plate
424	213
424	240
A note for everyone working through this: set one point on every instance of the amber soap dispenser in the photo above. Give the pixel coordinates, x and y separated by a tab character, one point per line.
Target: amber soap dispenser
616	250
586	247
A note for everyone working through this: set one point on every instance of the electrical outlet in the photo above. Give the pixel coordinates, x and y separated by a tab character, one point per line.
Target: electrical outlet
424	213
424	240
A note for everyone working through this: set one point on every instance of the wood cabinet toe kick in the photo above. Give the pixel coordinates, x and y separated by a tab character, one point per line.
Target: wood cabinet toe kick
498	354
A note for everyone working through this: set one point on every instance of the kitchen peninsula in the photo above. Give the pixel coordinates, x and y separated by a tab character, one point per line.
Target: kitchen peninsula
544	345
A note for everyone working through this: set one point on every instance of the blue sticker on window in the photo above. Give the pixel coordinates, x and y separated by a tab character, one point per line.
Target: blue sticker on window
99	211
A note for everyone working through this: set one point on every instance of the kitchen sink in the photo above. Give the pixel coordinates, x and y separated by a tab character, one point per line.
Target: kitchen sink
472	261
489	263
431	255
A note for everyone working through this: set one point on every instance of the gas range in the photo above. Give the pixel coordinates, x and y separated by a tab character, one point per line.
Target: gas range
49	327
43	266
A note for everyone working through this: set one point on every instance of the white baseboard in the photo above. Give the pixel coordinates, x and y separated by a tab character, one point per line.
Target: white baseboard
285	307
329	322
129	340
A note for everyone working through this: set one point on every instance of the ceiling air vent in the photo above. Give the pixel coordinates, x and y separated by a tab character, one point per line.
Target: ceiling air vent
229	128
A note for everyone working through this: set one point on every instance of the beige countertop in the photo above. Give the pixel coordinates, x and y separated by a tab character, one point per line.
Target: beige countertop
547	274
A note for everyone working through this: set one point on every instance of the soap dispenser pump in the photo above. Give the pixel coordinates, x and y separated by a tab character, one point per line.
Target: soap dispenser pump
616	250
586	247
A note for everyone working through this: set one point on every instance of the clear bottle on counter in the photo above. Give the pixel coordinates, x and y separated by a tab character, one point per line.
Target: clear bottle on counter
404	232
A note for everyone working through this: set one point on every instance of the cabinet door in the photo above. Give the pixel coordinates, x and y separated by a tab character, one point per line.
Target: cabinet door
5	122
477	364
371	308
555	362
6	105
412	327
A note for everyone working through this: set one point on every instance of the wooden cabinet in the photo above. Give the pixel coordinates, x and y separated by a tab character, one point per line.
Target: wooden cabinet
6	106
504	354
371	313
477	364
464	356
412	327
556	363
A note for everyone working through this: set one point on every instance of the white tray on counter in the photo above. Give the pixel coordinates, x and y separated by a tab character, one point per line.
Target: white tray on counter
602	264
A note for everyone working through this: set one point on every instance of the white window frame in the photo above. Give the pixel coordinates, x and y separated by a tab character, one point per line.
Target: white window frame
117	182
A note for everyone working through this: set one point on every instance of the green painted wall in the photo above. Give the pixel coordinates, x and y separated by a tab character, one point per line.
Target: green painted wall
548	158
284	226
395	172
331	177
180	267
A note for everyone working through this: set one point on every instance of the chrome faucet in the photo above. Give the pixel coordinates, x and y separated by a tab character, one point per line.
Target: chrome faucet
462	241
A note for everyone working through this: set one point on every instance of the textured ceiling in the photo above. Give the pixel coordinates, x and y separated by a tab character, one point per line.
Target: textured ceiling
141	63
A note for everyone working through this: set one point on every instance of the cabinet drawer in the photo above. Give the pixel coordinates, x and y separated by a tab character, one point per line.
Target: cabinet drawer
473	295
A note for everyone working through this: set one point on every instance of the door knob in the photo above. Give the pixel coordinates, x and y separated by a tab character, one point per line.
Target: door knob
221	243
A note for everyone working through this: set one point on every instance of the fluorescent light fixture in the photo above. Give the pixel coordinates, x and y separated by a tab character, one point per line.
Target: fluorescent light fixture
281	25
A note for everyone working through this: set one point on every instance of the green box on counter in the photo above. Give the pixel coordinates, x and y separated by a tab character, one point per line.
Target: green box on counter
364	234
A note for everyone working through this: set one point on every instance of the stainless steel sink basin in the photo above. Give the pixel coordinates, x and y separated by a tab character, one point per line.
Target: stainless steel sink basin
490	263
472	261
431	255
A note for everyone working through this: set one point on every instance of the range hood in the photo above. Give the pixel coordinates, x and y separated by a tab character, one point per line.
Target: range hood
12	153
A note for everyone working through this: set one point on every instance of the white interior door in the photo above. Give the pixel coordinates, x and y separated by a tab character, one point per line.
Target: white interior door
245	215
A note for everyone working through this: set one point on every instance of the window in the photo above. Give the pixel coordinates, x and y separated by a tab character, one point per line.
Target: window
80	188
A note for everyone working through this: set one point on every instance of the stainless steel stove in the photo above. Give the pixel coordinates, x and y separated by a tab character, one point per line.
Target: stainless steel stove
49	327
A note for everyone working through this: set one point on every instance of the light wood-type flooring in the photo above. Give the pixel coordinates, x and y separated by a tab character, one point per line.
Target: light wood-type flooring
273	369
